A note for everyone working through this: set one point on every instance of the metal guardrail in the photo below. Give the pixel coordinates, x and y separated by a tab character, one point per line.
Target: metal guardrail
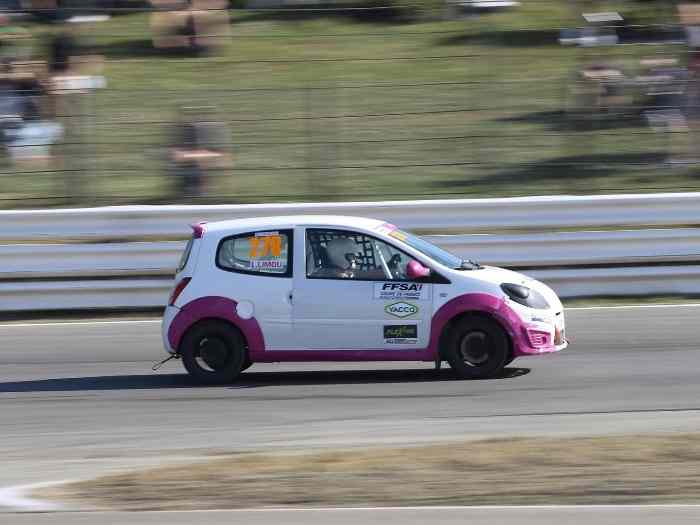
662	259
84	294
586	248
531	251
640	281
25	261
153	292
454	216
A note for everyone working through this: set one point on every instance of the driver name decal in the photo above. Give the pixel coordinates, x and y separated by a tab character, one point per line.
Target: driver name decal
389	291
268	264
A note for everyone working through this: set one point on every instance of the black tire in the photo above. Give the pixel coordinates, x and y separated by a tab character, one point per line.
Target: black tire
476	347
213	352
246	365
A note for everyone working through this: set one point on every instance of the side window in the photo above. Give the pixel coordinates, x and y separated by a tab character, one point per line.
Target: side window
340	254
185	257
263	252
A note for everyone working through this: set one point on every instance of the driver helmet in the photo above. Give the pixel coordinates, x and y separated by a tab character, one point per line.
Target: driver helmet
342	252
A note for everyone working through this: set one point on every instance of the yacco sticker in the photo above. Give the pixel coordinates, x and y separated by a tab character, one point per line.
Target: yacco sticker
388	291
401	309
401	334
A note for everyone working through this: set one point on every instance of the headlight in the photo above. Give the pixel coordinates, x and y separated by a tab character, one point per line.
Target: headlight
525	296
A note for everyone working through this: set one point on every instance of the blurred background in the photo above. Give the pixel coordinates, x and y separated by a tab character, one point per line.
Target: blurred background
136	102
211	101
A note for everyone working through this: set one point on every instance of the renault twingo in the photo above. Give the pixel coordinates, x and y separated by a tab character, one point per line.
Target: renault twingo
332	288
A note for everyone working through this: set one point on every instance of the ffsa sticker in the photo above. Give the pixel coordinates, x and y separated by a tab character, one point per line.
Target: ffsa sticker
401	334
388	291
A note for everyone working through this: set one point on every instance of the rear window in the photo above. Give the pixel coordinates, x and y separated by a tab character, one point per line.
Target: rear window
185	256
264	252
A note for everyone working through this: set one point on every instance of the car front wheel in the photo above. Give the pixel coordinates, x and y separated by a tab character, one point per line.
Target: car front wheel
477	347
213	352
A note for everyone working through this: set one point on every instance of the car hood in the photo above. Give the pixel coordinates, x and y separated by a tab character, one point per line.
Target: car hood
493	277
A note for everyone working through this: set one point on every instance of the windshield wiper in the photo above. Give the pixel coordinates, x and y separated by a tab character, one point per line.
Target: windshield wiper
468	264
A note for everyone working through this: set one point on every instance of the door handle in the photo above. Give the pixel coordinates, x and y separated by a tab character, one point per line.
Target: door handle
290	297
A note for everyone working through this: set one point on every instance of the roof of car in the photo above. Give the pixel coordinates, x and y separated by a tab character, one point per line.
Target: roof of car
289	221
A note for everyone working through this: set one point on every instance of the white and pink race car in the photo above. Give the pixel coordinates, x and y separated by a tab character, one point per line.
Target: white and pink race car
330	288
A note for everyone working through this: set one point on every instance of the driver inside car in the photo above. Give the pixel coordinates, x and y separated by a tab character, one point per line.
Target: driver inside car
342	261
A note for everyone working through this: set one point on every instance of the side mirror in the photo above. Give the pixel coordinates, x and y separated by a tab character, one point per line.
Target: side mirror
415	270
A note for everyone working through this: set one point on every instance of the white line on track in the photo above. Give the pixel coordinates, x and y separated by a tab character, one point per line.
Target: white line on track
147	321
633	306
80	323
445	507
18	498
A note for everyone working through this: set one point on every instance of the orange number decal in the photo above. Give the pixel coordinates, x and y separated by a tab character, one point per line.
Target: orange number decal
270	245
274	245
254	243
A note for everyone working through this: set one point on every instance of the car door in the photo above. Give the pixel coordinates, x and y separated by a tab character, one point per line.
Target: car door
347	297
260	266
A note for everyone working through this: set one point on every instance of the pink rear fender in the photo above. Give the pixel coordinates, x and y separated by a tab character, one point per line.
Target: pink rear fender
476	302
213	307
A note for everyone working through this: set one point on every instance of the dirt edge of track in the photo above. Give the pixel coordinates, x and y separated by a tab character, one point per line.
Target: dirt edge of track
627	469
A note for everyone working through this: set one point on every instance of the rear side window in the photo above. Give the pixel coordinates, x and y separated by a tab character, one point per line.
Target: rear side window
262	253
185	256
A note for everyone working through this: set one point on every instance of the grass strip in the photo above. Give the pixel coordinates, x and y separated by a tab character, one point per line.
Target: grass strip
661	468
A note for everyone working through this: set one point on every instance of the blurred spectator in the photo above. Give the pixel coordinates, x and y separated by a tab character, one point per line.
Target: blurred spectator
43	9
15	41
689	15
69	69
198	149
72	79
27	133
690	18
61	47
598	91
599	87
190	25
663	82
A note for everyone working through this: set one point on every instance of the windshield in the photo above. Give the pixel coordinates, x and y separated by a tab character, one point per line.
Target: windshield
426	248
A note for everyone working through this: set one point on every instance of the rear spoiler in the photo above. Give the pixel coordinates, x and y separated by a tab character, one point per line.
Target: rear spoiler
198	229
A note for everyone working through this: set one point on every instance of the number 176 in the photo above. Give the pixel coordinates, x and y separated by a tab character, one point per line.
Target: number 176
270	245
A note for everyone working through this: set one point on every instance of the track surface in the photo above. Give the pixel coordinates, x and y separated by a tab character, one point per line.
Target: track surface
79	399
677	515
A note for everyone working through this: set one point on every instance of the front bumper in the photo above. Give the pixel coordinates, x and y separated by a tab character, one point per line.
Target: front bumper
541	338
525	350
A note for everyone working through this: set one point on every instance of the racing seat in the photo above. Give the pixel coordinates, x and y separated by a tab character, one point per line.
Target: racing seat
318	261
336	259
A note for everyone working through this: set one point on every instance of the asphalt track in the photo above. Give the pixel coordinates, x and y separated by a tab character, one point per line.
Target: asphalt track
79	399
676	515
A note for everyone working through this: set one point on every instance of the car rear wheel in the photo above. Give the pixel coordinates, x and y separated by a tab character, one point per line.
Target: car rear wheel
213	352
477	347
